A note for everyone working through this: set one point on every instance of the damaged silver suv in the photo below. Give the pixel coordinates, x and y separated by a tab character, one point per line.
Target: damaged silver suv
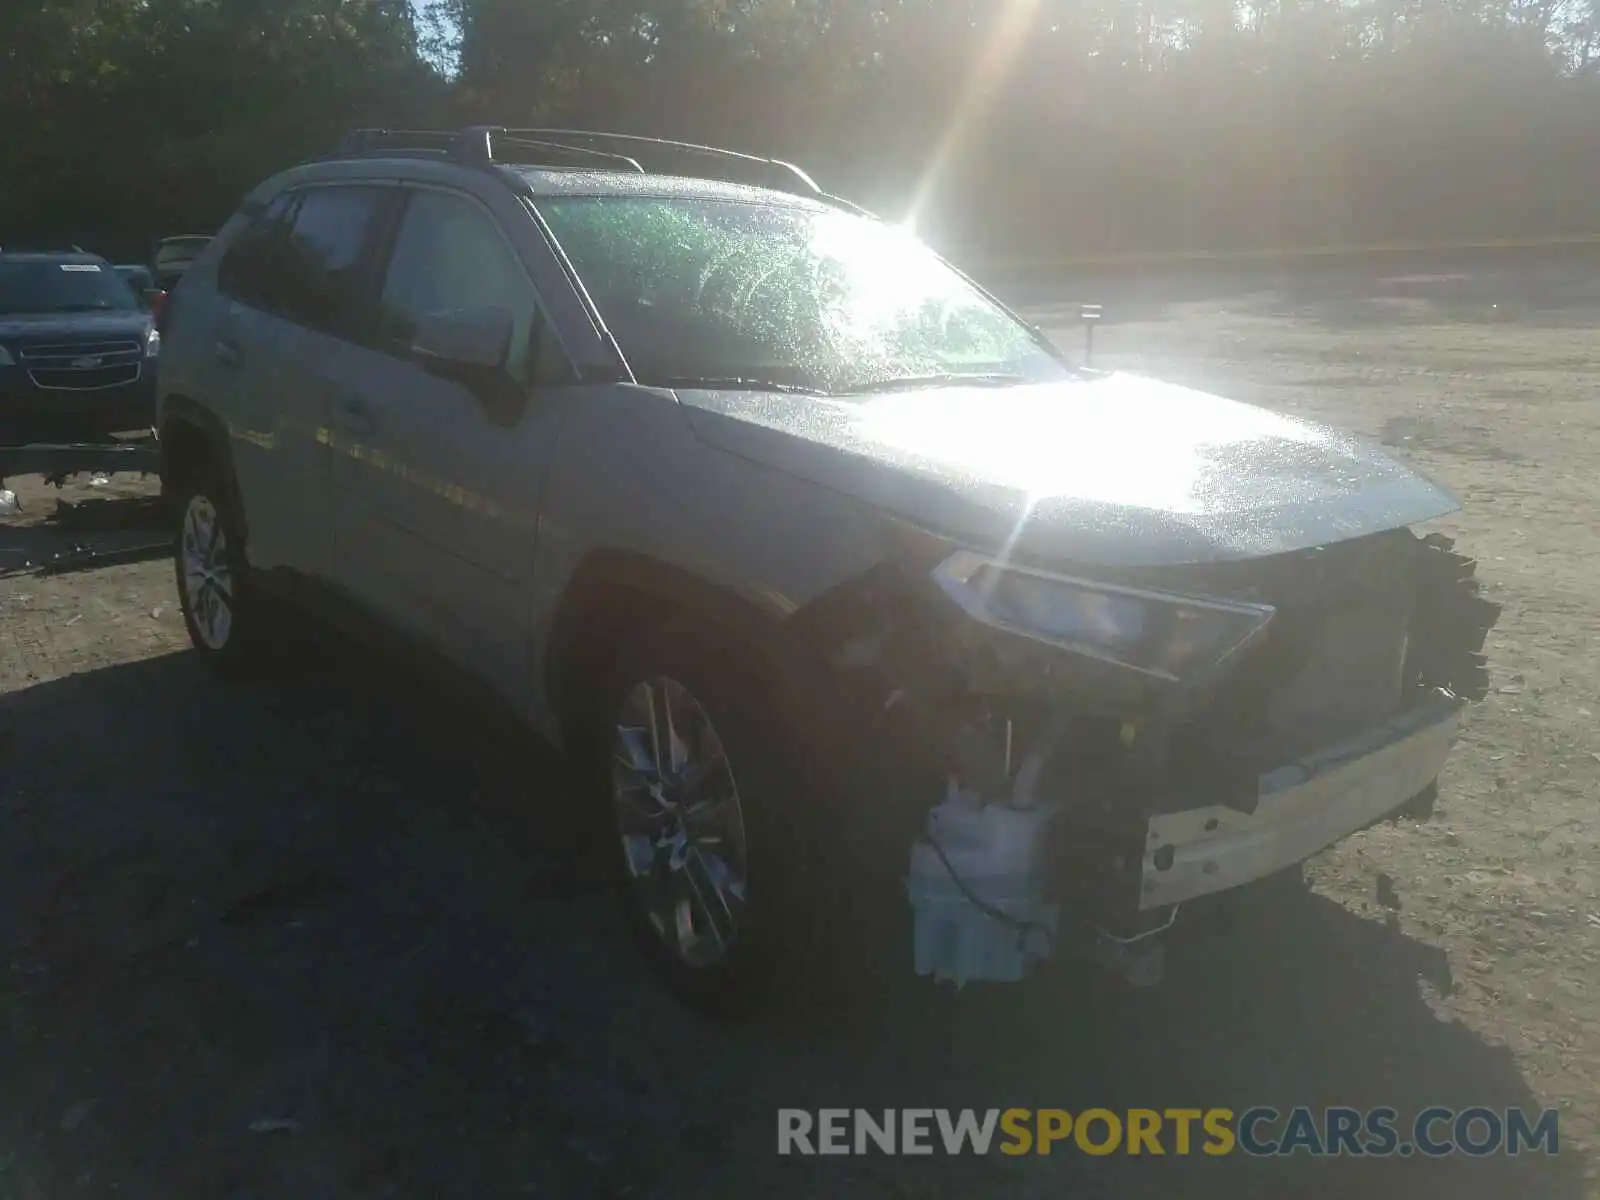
804	546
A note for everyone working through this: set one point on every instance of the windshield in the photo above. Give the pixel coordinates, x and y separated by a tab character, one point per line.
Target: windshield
53	286
726	293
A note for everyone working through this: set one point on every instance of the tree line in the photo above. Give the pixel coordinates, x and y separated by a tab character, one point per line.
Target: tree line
1005	128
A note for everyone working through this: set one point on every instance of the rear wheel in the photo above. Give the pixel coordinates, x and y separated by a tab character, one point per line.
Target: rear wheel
211	574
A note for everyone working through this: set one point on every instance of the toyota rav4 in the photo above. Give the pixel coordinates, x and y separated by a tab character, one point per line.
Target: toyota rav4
800	542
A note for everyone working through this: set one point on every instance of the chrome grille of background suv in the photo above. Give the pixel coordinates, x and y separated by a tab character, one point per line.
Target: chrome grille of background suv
82	366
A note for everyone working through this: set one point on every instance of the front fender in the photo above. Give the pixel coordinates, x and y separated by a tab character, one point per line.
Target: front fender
632	484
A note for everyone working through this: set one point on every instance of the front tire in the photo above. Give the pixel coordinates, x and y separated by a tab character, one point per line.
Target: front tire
691	766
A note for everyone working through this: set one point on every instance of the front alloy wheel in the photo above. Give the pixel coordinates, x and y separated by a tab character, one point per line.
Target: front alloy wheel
678	816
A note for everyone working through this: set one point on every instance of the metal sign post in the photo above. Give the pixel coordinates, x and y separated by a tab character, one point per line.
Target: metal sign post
1090	316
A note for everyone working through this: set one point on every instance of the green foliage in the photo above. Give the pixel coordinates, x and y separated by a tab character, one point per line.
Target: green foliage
123	120
1050	127
1010	127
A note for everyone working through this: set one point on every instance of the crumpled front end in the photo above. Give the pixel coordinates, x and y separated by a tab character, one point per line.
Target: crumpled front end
1083	756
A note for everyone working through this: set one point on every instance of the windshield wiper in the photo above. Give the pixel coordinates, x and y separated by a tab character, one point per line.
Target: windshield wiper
730	382
912	383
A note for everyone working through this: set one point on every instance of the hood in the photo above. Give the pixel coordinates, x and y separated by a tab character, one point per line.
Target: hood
1112	470
71	327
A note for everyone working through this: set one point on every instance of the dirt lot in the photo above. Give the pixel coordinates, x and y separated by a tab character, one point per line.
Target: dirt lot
328	905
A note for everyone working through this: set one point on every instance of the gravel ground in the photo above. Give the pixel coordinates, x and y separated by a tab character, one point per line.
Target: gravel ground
320	938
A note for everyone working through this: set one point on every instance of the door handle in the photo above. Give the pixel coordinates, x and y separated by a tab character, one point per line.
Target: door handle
227	351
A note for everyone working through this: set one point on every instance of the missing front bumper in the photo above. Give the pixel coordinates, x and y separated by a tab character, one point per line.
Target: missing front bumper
1303	808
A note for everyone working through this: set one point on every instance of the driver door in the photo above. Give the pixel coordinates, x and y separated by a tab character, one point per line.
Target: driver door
436	504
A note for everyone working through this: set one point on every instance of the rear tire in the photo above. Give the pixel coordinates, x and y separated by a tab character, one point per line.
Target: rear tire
213	578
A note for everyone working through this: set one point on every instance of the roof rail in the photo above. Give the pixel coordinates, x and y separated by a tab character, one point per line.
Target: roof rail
480	145
487	144
488	140
413	141
793	174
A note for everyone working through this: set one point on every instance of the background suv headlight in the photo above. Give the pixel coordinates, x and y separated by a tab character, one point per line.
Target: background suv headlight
5	358
1162	634
152	344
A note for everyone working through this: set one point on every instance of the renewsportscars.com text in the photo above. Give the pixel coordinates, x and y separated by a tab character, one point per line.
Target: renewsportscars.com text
1259	1132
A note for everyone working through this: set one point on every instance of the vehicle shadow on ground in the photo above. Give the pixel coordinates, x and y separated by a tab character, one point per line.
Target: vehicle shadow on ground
322	937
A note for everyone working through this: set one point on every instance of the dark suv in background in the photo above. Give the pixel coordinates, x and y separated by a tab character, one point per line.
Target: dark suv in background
78	350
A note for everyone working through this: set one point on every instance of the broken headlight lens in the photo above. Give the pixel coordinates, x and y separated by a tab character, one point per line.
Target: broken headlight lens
1162	634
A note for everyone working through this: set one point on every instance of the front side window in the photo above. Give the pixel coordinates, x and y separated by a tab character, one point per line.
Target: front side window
450	255
47	285
320	256
724	292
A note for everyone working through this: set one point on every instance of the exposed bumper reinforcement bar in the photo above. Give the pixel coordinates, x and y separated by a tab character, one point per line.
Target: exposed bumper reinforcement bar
1304	807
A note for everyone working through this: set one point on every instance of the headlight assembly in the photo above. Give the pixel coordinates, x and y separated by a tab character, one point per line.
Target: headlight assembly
5	358
1161	634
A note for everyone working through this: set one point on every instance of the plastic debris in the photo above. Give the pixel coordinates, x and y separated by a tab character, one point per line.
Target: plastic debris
81	556
9	502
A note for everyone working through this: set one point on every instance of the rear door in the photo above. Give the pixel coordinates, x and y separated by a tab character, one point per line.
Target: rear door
287	341
275	458
438	521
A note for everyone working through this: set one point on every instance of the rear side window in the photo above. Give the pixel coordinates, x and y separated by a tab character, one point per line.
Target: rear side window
247	271
322	254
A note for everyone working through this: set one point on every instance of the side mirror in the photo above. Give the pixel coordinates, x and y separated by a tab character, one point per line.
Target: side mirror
468	344
472	346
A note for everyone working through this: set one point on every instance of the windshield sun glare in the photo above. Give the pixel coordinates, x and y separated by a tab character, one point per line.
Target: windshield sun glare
789	296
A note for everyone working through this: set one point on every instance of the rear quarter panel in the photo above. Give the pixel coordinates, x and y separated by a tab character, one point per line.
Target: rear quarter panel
190	328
